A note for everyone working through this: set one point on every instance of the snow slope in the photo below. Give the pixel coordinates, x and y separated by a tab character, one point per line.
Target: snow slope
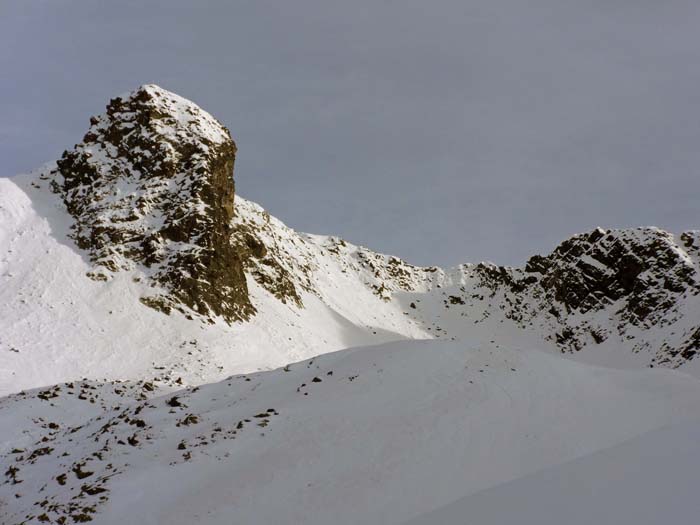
647	480
367	435
59	325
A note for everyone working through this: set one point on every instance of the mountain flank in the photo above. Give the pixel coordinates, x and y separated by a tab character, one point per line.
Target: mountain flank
150	247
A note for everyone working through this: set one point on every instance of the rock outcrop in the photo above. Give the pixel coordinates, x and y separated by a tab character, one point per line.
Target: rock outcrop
643	269
635	284
151	187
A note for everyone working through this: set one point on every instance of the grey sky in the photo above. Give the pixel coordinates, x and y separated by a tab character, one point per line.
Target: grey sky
441	131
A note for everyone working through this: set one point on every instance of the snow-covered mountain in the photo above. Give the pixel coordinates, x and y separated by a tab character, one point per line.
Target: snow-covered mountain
131	275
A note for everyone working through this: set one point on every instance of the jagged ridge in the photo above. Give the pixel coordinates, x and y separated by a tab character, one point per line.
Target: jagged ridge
150	188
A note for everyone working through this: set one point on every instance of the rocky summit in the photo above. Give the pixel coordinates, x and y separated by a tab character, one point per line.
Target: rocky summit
151	184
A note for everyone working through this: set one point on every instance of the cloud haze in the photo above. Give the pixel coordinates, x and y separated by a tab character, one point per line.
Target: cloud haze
442	131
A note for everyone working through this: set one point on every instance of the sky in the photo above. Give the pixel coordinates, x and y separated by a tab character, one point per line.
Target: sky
444	132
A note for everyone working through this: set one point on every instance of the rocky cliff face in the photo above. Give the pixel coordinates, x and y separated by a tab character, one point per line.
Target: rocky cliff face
151	187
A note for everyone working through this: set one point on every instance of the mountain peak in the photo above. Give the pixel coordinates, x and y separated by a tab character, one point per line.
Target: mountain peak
151	187
170	113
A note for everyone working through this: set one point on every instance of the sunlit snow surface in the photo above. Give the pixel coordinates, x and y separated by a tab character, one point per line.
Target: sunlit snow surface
367	435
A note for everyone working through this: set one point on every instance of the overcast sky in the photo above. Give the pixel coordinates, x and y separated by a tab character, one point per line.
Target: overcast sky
440	131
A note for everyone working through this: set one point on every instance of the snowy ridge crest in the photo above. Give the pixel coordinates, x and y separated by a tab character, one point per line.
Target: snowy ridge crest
632	289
